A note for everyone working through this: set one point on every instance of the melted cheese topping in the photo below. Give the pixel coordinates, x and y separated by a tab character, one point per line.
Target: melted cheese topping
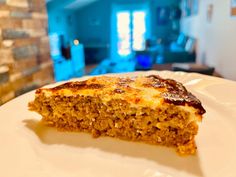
139	91
135	91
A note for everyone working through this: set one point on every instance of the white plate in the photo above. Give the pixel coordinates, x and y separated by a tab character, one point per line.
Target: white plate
30	150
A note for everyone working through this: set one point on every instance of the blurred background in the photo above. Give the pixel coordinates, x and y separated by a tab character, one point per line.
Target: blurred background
42	42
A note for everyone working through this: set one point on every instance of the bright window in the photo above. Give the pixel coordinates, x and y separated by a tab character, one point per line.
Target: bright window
139	30
124	33
131	31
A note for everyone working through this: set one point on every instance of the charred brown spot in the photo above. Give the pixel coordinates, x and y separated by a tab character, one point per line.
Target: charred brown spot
78	86
155	82
94	86
155	77
154	85
38	91
93	79
137	100
124	82
179	98
119	91
176	93
172	85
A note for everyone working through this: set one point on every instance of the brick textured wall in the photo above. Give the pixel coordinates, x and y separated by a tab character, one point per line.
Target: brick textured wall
24	47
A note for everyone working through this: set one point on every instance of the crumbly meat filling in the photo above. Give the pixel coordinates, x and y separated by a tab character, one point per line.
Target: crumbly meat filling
166	125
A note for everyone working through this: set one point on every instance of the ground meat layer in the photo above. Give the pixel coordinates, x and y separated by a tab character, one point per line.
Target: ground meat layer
166	125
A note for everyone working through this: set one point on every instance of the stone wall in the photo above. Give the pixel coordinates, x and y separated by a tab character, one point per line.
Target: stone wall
24	47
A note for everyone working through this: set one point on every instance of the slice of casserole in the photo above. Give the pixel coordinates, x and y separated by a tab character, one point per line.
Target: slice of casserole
145	108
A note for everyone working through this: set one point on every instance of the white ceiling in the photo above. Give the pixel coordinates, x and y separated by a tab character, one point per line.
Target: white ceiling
77	4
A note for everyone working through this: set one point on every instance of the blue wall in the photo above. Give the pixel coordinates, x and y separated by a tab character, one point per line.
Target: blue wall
60	20
92	24
101	11
86	28
161	31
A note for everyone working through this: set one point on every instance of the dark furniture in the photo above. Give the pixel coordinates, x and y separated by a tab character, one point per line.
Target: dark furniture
197	68
144	60
180	51
108	67
95	53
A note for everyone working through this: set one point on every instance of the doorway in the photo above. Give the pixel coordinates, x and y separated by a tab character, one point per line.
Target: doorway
129	29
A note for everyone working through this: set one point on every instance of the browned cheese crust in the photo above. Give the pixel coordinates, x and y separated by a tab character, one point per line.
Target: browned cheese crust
146	108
